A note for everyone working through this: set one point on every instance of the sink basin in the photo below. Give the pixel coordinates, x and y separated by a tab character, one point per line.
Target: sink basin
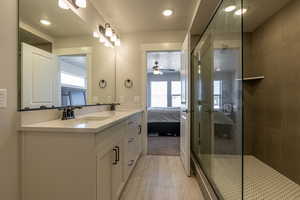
93	118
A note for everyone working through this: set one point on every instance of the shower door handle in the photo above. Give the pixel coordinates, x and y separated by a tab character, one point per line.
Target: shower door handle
185	111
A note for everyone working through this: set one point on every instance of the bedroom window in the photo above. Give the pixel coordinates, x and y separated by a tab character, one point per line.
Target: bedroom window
217	94
159	94
176	93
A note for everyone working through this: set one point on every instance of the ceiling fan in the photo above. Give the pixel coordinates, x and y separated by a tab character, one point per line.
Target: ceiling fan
158	71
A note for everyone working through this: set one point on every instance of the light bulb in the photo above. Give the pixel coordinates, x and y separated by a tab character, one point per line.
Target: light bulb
108	30
113	37
81	3
63	5
230	8
118	42
102	38
167	12
45	22
107	43
96	34
240	11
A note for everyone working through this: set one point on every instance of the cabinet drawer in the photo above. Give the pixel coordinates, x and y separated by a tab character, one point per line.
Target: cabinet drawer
107	138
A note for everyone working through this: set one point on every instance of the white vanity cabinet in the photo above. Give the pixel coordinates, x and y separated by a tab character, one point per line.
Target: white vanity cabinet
132	144
110	154
89	166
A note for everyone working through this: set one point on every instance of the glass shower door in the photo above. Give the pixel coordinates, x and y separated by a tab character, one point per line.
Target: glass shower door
203	67
217	102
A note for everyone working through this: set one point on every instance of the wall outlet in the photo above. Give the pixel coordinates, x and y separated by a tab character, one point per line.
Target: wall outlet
3	98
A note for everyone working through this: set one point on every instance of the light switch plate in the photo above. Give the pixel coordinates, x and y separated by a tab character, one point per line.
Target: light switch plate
3	98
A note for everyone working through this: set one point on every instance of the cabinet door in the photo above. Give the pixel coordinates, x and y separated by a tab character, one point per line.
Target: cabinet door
104	173
117	171
110	173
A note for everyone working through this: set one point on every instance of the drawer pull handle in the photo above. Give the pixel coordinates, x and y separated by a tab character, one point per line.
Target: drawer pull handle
116	156
140	129
118	153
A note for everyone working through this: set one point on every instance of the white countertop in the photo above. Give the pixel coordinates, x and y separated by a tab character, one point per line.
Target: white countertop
89	123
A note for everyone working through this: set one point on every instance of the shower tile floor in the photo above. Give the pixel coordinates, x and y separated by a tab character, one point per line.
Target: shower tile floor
261	182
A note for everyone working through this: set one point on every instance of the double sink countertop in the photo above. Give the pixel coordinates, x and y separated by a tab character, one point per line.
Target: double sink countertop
89	123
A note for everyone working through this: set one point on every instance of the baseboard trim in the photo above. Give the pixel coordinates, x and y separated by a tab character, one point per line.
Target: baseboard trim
205	186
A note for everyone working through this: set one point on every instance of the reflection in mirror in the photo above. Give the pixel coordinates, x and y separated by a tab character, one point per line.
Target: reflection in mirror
61	63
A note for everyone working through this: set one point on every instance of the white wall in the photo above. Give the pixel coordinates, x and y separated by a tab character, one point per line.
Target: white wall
8	116
129	62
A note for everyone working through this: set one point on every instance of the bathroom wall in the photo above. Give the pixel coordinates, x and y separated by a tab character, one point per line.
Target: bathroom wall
276	99
8	116
249	94
129	62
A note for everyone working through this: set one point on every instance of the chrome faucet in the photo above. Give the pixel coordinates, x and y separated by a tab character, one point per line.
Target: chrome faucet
68	113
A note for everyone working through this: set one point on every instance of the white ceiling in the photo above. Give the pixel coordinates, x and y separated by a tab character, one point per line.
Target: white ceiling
146	15
77	60
64	22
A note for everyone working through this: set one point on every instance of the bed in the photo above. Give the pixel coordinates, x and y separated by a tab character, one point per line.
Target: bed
164	121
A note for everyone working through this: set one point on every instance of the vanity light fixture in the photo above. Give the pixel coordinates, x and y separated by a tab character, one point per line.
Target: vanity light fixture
109	41
113	38
45	22
118	42
167	12
102	38
107	44
240	11
108	30
80	3
230	8
63	4
96	34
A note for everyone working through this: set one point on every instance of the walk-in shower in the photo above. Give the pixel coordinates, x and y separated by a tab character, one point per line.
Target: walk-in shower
246	110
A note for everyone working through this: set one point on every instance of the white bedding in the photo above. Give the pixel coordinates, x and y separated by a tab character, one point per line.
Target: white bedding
163	115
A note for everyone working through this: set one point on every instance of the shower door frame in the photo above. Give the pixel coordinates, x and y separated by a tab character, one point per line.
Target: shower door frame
210	190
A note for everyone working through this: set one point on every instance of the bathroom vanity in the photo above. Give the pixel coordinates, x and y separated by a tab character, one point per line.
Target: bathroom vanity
88	158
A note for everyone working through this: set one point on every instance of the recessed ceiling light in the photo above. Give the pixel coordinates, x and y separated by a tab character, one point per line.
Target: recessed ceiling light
240	11
45	22
167	12
230	8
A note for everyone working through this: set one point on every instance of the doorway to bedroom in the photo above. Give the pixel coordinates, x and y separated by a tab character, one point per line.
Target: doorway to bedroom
163	102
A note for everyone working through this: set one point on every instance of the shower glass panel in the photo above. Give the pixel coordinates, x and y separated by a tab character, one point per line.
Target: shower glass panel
217	101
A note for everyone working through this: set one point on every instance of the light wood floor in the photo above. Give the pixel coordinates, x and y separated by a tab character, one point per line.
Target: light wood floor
161	178
164	145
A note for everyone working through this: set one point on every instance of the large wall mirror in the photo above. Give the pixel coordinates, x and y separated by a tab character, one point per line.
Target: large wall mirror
60	62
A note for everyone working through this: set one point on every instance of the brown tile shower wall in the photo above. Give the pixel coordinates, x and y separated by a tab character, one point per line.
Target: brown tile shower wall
273	105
